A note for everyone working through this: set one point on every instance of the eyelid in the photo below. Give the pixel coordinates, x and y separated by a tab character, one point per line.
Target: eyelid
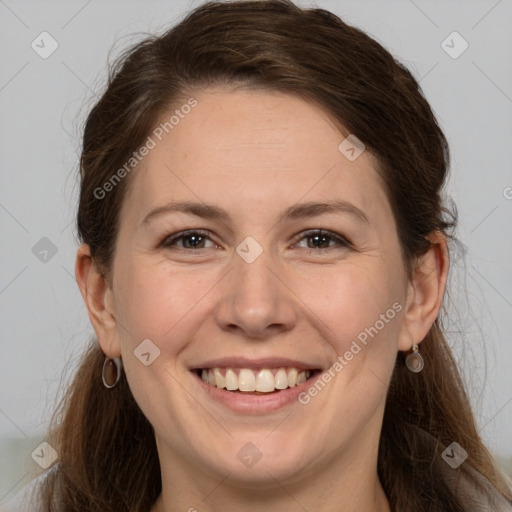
341	239
173	237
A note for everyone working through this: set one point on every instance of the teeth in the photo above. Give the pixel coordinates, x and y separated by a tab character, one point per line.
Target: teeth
246	381
281	379
264	380
292	377
219	379
231	380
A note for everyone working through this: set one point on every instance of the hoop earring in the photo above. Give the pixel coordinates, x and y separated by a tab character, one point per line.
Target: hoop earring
414	361
111	372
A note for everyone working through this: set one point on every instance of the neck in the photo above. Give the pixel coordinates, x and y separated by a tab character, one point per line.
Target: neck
331	487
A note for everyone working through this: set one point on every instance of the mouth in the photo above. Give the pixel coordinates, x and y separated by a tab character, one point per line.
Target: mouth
255	386
244	398
262	381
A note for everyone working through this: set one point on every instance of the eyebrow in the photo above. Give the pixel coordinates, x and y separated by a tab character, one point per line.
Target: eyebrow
294	212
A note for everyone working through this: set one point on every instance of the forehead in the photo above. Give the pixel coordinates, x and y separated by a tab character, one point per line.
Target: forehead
251	148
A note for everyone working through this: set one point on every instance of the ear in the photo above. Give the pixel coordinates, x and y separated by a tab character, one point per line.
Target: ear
98	298
425	292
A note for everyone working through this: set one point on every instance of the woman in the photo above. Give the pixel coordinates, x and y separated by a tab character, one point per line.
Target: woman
264	259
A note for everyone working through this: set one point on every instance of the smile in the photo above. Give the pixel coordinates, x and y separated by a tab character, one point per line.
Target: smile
244	397
264	380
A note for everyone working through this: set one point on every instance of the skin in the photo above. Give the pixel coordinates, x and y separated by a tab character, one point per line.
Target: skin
298	299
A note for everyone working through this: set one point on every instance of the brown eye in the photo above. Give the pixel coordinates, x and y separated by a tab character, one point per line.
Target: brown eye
189	240
321	239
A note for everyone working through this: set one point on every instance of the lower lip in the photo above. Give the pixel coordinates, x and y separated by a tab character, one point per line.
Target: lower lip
256	404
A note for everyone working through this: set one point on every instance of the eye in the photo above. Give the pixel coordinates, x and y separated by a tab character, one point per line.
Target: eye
321	239
191	240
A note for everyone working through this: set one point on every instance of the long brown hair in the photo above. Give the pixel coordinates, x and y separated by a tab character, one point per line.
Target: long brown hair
108	460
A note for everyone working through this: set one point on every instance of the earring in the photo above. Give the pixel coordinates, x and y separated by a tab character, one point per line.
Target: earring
111	372
414	361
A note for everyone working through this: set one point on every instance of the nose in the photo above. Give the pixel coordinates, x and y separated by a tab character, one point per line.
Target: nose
256	301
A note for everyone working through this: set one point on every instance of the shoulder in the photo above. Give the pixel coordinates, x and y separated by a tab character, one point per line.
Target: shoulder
28	499
475	492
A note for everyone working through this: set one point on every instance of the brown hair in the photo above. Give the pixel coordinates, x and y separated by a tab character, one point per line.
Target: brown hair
107	453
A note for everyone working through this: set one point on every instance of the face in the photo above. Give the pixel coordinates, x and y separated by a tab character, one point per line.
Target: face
251	275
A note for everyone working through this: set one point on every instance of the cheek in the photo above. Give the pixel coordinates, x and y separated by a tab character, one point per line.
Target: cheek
359	307
154	301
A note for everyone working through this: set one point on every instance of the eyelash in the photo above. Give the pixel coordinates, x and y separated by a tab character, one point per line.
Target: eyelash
168	241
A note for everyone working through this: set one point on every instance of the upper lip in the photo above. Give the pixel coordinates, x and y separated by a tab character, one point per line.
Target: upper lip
263	362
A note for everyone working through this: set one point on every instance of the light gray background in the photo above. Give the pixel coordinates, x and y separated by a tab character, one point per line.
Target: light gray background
44	102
